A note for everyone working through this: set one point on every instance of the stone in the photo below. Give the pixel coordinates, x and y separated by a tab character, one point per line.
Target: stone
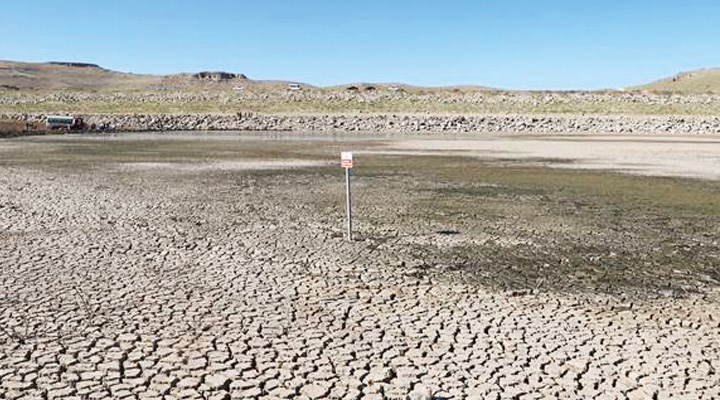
315	391
420	392
217	381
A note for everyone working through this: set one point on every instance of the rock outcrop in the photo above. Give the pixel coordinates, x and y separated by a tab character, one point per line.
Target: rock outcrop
75	64
217	76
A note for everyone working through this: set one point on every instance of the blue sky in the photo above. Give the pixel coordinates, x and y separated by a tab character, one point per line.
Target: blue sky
519	44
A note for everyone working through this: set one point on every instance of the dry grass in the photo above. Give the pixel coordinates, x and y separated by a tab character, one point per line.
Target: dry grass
33	83
230	104
545	229
17	128
700	81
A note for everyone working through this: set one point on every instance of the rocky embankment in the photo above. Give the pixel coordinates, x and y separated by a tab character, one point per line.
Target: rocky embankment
395	123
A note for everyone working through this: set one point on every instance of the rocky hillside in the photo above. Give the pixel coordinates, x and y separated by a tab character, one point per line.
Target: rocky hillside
79	88
692	82
282	100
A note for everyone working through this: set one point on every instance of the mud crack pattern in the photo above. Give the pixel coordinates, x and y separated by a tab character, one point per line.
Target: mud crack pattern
149	285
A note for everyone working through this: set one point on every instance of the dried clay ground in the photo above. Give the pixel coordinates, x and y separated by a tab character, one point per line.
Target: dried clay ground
214	267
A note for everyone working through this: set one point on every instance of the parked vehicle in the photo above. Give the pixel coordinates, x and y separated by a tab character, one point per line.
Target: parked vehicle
65	122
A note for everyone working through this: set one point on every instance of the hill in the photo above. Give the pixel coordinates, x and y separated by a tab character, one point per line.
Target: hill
691	82
90	77
81	88
76	76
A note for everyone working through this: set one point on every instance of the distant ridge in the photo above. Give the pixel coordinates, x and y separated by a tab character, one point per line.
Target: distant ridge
80	76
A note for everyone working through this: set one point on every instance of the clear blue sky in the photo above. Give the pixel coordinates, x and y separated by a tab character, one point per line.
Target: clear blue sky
521	44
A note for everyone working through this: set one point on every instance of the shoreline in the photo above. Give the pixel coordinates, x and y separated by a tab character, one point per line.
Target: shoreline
398	123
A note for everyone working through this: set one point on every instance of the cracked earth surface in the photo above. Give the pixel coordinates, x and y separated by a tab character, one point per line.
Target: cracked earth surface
149	284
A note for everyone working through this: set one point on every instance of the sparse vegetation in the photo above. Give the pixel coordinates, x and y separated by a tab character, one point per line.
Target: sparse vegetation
280	104
691	82
524	228
44	88
515	227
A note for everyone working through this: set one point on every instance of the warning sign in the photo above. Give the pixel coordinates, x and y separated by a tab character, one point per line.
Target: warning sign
346	159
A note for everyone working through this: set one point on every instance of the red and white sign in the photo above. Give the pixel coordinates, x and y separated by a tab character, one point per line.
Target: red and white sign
346	159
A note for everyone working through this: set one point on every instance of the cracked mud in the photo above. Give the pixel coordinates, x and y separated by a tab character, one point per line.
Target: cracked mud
236	283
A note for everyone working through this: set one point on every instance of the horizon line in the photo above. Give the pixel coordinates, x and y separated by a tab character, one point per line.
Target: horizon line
81	64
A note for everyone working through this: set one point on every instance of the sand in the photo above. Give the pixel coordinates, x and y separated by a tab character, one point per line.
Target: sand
676	156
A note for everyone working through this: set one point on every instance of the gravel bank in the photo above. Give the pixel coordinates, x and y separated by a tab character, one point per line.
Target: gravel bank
394	123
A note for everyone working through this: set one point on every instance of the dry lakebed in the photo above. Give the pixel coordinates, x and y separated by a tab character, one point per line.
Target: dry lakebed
214	266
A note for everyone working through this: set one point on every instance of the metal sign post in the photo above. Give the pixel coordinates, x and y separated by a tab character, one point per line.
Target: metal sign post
346	161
